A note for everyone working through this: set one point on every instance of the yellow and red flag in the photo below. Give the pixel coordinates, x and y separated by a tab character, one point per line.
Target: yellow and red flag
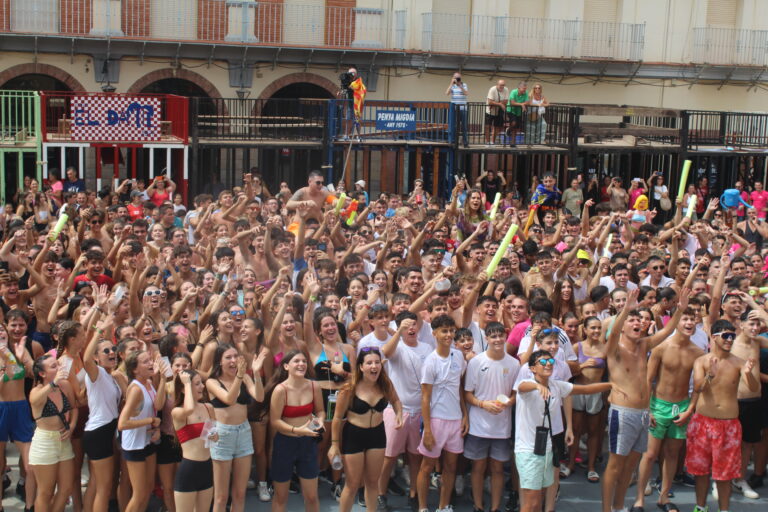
359	90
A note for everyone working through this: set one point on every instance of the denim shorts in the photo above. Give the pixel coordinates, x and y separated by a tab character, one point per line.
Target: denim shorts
235	441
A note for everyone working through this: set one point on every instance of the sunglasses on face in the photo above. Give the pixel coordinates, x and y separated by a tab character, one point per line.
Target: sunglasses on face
727	336
109	350
657	268
96	221
545	362
151	293
365	233
237	313
318	182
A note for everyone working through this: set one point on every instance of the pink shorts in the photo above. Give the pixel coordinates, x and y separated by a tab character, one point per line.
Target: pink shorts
401	439
714	447
447	434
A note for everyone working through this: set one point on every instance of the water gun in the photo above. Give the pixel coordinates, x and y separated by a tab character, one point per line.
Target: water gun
350	212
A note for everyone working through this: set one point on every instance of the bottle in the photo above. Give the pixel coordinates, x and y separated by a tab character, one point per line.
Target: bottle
336	463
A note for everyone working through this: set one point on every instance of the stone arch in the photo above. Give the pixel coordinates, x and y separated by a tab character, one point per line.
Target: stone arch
294	78
41	69
183	74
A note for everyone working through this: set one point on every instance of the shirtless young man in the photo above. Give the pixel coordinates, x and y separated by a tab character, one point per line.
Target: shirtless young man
670	367
315	192
628	416
747	346
714	433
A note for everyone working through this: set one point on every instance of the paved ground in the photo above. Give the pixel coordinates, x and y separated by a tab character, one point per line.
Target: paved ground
576	495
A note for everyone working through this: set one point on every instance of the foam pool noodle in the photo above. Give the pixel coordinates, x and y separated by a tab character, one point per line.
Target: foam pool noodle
495	206
684	179
340	202
58	227
501	250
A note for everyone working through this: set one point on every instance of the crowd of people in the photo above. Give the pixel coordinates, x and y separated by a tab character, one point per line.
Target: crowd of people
391	346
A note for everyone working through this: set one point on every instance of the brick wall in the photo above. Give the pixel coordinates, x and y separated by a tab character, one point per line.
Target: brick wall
269	21
135	17
339	23
211	20
75	16
5	15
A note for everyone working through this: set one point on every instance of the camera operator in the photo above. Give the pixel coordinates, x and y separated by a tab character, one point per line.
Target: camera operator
346	92
458	91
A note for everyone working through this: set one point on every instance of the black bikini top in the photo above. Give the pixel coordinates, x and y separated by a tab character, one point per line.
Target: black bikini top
50	410
243	398
360	406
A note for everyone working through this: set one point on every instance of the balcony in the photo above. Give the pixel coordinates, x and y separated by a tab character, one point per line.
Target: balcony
733	47
314	24
531	37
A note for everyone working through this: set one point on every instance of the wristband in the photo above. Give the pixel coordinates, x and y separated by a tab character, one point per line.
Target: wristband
313	298
292	429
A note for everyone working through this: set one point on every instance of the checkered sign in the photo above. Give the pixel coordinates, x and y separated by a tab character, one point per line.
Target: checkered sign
115	118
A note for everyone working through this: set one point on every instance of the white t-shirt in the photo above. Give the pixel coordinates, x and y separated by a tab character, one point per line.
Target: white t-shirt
103	400
488	378
609	283
444	374
561	372
404	368
423	336
481	344
529	413
663	283
370	340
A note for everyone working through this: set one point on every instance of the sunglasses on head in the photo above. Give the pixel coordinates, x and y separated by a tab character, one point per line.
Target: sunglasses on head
370	350
549	331
151	293
727	336
544	361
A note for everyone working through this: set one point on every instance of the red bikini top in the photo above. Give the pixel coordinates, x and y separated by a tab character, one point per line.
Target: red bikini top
189	432
298	411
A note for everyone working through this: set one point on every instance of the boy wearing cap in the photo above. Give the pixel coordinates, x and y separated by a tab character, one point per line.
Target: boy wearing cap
360	187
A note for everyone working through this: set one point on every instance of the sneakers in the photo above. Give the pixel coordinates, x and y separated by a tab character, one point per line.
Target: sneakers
381	504
448	508
264	494
715	494
361	496
459	485
336	491
513	502
413	503
395	488
700	509
685	479
743	487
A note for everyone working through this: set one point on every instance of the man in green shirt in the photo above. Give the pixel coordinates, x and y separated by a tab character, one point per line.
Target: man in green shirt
515	107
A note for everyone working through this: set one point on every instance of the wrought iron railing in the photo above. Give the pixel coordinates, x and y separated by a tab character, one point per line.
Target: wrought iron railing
19	117
220	119
729	129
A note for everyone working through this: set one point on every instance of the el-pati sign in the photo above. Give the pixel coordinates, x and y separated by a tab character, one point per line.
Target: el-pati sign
115	118
396	120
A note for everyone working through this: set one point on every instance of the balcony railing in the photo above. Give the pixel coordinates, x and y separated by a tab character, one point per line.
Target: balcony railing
729	129
730	46
535	37
318	25
223	119
19	118
421	121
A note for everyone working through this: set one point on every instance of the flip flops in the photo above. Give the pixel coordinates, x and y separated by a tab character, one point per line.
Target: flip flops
668	507
593	477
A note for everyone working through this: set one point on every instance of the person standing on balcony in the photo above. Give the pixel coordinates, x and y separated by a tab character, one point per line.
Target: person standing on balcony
458	91
517	104
535	126
495	110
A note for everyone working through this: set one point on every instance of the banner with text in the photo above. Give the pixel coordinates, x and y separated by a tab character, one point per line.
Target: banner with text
115	118
404	120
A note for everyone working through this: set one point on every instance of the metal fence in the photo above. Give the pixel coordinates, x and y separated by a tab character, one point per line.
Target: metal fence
557	126
730	129
222	119
19	117
536	37
730	46
426	121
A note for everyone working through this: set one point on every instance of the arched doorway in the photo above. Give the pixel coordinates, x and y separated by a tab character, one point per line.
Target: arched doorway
298	100
35	82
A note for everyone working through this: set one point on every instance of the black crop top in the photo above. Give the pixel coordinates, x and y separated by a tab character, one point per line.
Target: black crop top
244	398
360	406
